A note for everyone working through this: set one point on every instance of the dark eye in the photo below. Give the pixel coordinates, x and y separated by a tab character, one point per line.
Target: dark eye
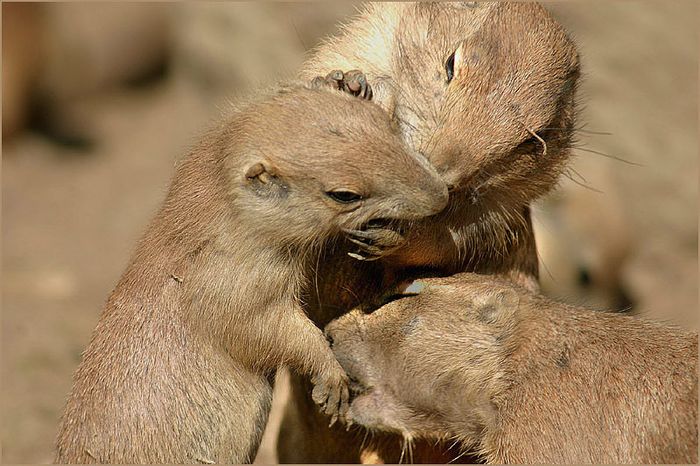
529	143
450	67
534	144
344	197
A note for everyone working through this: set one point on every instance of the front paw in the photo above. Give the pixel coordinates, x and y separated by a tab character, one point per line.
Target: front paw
353	82
374	242
331	392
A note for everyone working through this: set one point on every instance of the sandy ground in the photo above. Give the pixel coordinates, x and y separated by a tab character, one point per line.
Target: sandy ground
71	218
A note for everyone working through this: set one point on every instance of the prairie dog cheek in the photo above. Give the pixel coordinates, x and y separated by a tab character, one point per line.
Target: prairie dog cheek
373	409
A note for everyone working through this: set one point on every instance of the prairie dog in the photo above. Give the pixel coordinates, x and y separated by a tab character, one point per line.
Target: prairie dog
486	93
519	378
179	367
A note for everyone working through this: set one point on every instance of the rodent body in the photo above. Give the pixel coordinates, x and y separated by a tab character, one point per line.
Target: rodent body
519	378
180	365
486	93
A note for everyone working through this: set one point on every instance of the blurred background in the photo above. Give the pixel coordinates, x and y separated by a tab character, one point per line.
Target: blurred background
100	99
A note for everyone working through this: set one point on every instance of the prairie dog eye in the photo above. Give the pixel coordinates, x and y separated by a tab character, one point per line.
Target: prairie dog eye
344	196
450	66
455	59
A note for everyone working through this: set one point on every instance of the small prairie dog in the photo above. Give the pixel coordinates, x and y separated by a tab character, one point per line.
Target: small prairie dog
179	367
518	378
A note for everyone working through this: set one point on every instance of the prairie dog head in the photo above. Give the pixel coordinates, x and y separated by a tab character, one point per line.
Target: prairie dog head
313	163
427	365
486	92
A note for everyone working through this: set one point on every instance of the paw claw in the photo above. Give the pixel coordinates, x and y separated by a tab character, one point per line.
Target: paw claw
331	393
353	82
357	256
373	242
335	75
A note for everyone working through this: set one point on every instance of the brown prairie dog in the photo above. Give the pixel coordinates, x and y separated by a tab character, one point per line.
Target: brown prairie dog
518	378
486	93
180	365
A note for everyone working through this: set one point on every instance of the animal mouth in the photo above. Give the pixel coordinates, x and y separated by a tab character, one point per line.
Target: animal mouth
472	186
376	238
356	387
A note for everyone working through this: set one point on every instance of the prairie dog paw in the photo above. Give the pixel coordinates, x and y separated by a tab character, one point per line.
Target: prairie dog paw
331	393
374	243
354	82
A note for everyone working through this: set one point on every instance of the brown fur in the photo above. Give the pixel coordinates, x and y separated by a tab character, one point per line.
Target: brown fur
513	88
519	378
180	365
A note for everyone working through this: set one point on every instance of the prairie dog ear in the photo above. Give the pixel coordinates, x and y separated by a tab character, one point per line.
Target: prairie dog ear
263	179
260	170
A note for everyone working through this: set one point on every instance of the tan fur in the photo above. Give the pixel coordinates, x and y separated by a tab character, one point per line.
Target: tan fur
180	365
512	95
519	378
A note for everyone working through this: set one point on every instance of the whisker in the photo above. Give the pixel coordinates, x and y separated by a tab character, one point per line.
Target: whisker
536	136
541	141
582	128
572	169
566	174
364	440
577	130
458	456
602	154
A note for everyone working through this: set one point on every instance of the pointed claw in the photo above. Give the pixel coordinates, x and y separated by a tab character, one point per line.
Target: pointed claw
376	234
366	247
368	93
351	232
363	258
335	75
355	83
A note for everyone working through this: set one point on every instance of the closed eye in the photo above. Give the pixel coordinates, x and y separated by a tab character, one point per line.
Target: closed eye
344	197
534	144
529	143
450	66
